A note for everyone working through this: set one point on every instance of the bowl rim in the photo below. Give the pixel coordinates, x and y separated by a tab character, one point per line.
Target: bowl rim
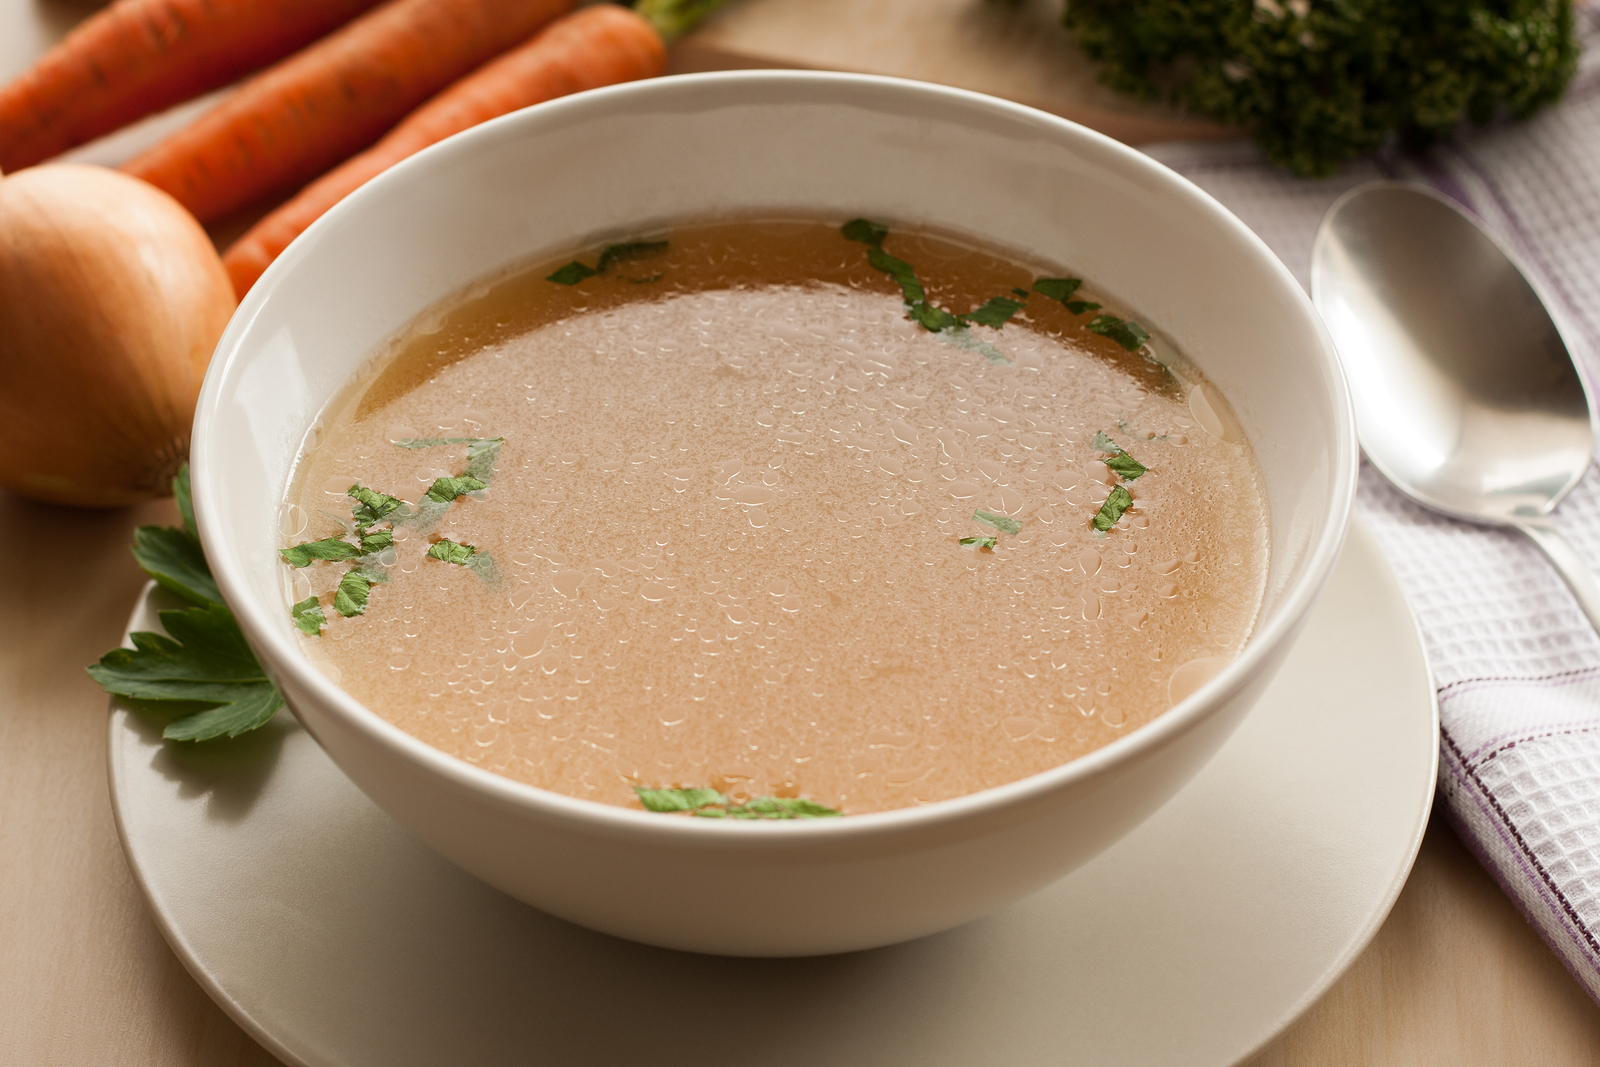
276	651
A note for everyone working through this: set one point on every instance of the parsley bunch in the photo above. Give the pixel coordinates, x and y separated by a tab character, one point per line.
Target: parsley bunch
1321	81
205	660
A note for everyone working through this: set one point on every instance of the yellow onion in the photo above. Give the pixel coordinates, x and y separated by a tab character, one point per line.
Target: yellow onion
111	301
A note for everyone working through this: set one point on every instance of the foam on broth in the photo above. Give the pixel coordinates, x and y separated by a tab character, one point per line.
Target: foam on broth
724	527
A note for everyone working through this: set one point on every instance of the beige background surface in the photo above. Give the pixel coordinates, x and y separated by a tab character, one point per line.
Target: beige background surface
1454	977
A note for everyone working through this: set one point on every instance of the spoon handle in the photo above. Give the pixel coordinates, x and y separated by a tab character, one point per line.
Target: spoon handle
1579	578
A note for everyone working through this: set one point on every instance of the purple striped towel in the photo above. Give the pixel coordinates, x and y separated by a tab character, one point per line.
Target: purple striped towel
1516	663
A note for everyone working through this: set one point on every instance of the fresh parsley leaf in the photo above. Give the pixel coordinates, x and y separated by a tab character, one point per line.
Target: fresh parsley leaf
629	250
981	542
1128	334
308	616
1103	443
444	490
1078	307
1126	467
999	522
451	552
1057	288
996	312
205	660
371	507
176	562
1118	502
669	800
864	231
572	274
329	548
351	598
1022	294
185	500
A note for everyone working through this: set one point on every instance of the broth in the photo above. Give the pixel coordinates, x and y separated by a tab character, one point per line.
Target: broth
721	541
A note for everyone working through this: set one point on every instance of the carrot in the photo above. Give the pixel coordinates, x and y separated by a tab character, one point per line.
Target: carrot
596	46
314	109
139	56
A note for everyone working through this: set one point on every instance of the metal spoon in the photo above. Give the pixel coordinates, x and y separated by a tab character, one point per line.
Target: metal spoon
1466	396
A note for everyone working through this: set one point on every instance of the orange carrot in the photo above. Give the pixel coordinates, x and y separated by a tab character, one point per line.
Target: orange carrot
600	45
316	108
139	56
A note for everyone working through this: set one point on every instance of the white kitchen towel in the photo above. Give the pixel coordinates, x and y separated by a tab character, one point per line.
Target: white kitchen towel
1516	663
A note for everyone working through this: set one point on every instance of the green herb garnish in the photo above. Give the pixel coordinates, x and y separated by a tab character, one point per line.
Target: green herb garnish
1056	288
999	522
308	616
205	660
329	548
451	552
444	490
1128	334
481	451
575	272
572	274
1126	467
371	507
1078	307
629	250
173	557
981	542
376	541
898	269
351	598
1119	501
996	312
711	804
865	231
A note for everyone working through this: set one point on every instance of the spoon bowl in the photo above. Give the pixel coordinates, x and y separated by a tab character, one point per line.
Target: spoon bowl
1465	393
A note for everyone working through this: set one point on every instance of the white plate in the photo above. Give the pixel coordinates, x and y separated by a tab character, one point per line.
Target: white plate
337	940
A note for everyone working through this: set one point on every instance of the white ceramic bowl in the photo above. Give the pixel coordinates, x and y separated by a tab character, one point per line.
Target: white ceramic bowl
622	160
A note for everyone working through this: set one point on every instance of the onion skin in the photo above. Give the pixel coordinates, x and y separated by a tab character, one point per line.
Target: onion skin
112	299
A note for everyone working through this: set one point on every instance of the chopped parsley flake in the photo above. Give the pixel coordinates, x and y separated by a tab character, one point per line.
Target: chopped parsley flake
629	250
996	312
1128	334
372	507
1118	502
711	804
1057	288
329	548
308	616
351	598
376	541
981	542
451	552
572	274
1125	466
575	272
999	522
864	232
444	490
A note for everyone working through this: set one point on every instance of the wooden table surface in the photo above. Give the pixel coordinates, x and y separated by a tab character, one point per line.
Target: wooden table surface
1455	976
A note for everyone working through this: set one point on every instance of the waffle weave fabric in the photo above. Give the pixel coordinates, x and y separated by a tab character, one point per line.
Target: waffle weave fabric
1516	664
